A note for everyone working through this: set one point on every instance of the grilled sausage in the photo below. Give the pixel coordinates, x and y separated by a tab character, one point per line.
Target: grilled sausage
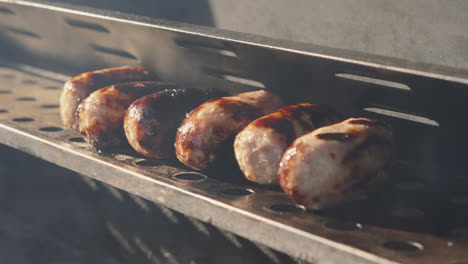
324	167
80	86
260	146
209	130
100	116
151	122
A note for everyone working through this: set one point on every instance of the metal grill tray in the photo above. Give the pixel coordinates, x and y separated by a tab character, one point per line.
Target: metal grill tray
419	217
29	121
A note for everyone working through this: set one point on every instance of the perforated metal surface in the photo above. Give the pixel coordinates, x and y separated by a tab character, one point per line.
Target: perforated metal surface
53	215
30	122
419	217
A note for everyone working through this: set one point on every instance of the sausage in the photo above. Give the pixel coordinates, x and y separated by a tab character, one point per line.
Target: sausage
326	166
80	86
259	147
209	130
100	116
151	122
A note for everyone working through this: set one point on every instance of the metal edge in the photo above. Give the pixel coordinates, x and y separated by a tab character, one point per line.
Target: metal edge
368	60
206	209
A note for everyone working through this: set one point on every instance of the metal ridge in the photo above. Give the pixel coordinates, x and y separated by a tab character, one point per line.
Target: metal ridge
369	60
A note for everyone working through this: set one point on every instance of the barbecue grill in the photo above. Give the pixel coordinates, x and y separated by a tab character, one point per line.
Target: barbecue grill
420	216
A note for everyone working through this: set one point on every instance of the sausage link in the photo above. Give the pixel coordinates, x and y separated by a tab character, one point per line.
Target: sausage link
326	166
259	147
209	130
80	86
100	116
151	122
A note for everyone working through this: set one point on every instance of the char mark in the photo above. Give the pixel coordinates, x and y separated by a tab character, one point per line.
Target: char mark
282	126
318	115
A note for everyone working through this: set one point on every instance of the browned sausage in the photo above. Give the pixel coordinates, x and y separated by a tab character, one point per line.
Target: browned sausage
260	146
151	122
324	167
100	116
209	130
80	86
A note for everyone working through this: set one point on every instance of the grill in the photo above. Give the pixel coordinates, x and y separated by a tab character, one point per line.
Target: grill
420	217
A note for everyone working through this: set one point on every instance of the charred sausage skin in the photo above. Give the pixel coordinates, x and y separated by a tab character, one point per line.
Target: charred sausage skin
259	147
324	167
209	130
100	116
80	86
151	122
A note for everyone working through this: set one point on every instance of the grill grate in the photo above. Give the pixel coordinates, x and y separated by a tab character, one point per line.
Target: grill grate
370	223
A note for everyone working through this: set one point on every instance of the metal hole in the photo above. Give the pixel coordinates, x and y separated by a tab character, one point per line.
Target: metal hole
6	11
23	119
287	208
23	32
26	99
233	78
401	115
51	129
52	87
29	81
7	76
86	25
370	80
241	80
112	51
403	245
121	157
5	91
206	48
237	191
50	106
77	140
190	176
3	111
148	163
343	226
